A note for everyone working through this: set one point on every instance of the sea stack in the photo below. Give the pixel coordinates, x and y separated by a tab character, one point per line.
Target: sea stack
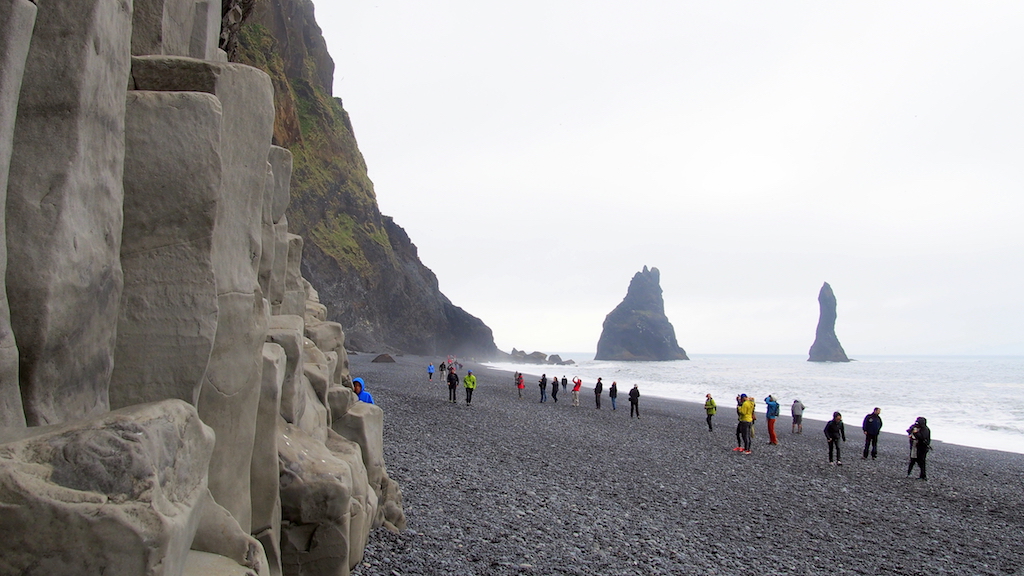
826	347
637	329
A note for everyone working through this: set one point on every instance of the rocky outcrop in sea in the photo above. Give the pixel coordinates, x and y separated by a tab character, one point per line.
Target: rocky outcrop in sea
173	398
826	347
637	329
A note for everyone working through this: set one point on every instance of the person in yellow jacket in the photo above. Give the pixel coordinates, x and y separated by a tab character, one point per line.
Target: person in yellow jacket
469	383
745	412
710	408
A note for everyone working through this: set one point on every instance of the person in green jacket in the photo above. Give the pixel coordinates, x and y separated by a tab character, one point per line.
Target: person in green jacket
469	383
710	408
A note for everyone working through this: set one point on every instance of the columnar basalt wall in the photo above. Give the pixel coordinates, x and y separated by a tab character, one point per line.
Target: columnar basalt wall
64	198
17	18
146	226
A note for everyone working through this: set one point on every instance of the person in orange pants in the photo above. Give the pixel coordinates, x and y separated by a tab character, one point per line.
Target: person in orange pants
771	415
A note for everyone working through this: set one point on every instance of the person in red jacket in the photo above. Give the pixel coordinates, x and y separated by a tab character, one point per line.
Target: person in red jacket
576	383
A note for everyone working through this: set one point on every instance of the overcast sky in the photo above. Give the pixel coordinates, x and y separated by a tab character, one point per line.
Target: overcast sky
541	153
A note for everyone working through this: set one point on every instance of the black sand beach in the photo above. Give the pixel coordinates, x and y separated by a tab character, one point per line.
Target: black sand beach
511	486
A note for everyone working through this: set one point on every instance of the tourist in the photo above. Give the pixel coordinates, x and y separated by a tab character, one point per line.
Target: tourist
771	414
360	389
430	371
453	383
634	402
613	393
710	408
753	415
834	430
520	385
565	383
872	426
576	384
745	413
920	443
554	388
739	423
469	383
442	368
597	393
798	417
543	383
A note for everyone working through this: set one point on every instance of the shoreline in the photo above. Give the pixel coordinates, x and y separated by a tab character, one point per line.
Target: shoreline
950	432
510	486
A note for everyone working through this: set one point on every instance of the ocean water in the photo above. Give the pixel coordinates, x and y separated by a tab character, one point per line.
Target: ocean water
969	400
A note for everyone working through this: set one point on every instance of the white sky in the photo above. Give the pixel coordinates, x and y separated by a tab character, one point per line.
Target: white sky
541	153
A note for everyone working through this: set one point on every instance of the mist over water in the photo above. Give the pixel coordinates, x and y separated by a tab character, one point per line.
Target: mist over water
969	400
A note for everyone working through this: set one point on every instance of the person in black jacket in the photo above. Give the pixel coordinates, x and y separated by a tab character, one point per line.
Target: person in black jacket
597	393
613	393
834	430
634	402
453	383
543	383
920	443
872	426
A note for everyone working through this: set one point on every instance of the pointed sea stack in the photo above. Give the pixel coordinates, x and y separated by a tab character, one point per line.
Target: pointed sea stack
637	329
826	347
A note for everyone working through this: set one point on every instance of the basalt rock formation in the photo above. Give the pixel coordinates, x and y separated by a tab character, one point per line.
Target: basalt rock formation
826	347
363	263
197	402
637	329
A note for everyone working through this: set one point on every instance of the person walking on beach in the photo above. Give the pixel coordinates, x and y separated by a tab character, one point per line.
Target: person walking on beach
597	393
453	383
543	383
469	383
554	388
519	384
872	426
430	371
634	401
613	393
442	368
710	408
798	417
920	443
834	430
565	383
771	414
576	383
745	413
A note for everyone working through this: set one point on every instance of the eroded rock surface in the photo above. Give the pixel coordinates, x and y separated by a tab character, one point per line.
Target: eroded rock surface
637	329
826	347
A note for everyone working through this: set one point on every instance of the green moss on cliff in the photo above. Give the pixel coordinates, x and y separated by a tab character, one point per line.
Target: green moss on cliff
333	202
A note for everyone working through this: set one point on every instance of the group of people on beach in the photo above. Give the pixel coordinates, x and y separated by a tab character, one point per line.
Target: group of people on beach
919	435
577	383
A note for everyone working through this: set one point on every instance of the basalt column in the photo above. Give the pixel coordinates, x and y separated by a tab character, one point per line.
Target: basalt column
17	18
64	200
230	393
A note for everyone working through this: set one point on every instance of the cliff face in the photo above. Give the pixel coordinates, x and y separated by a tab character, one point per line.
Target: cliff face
826	347
365	266
637	329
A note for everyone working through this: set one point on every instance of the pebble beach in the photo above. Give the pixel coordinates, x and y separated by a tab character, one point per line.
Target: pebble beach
509	486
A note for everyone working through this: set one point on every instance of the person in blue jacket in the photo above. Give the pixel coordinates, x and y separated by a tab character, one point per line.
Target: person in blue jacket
771	414
360	389
872	426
